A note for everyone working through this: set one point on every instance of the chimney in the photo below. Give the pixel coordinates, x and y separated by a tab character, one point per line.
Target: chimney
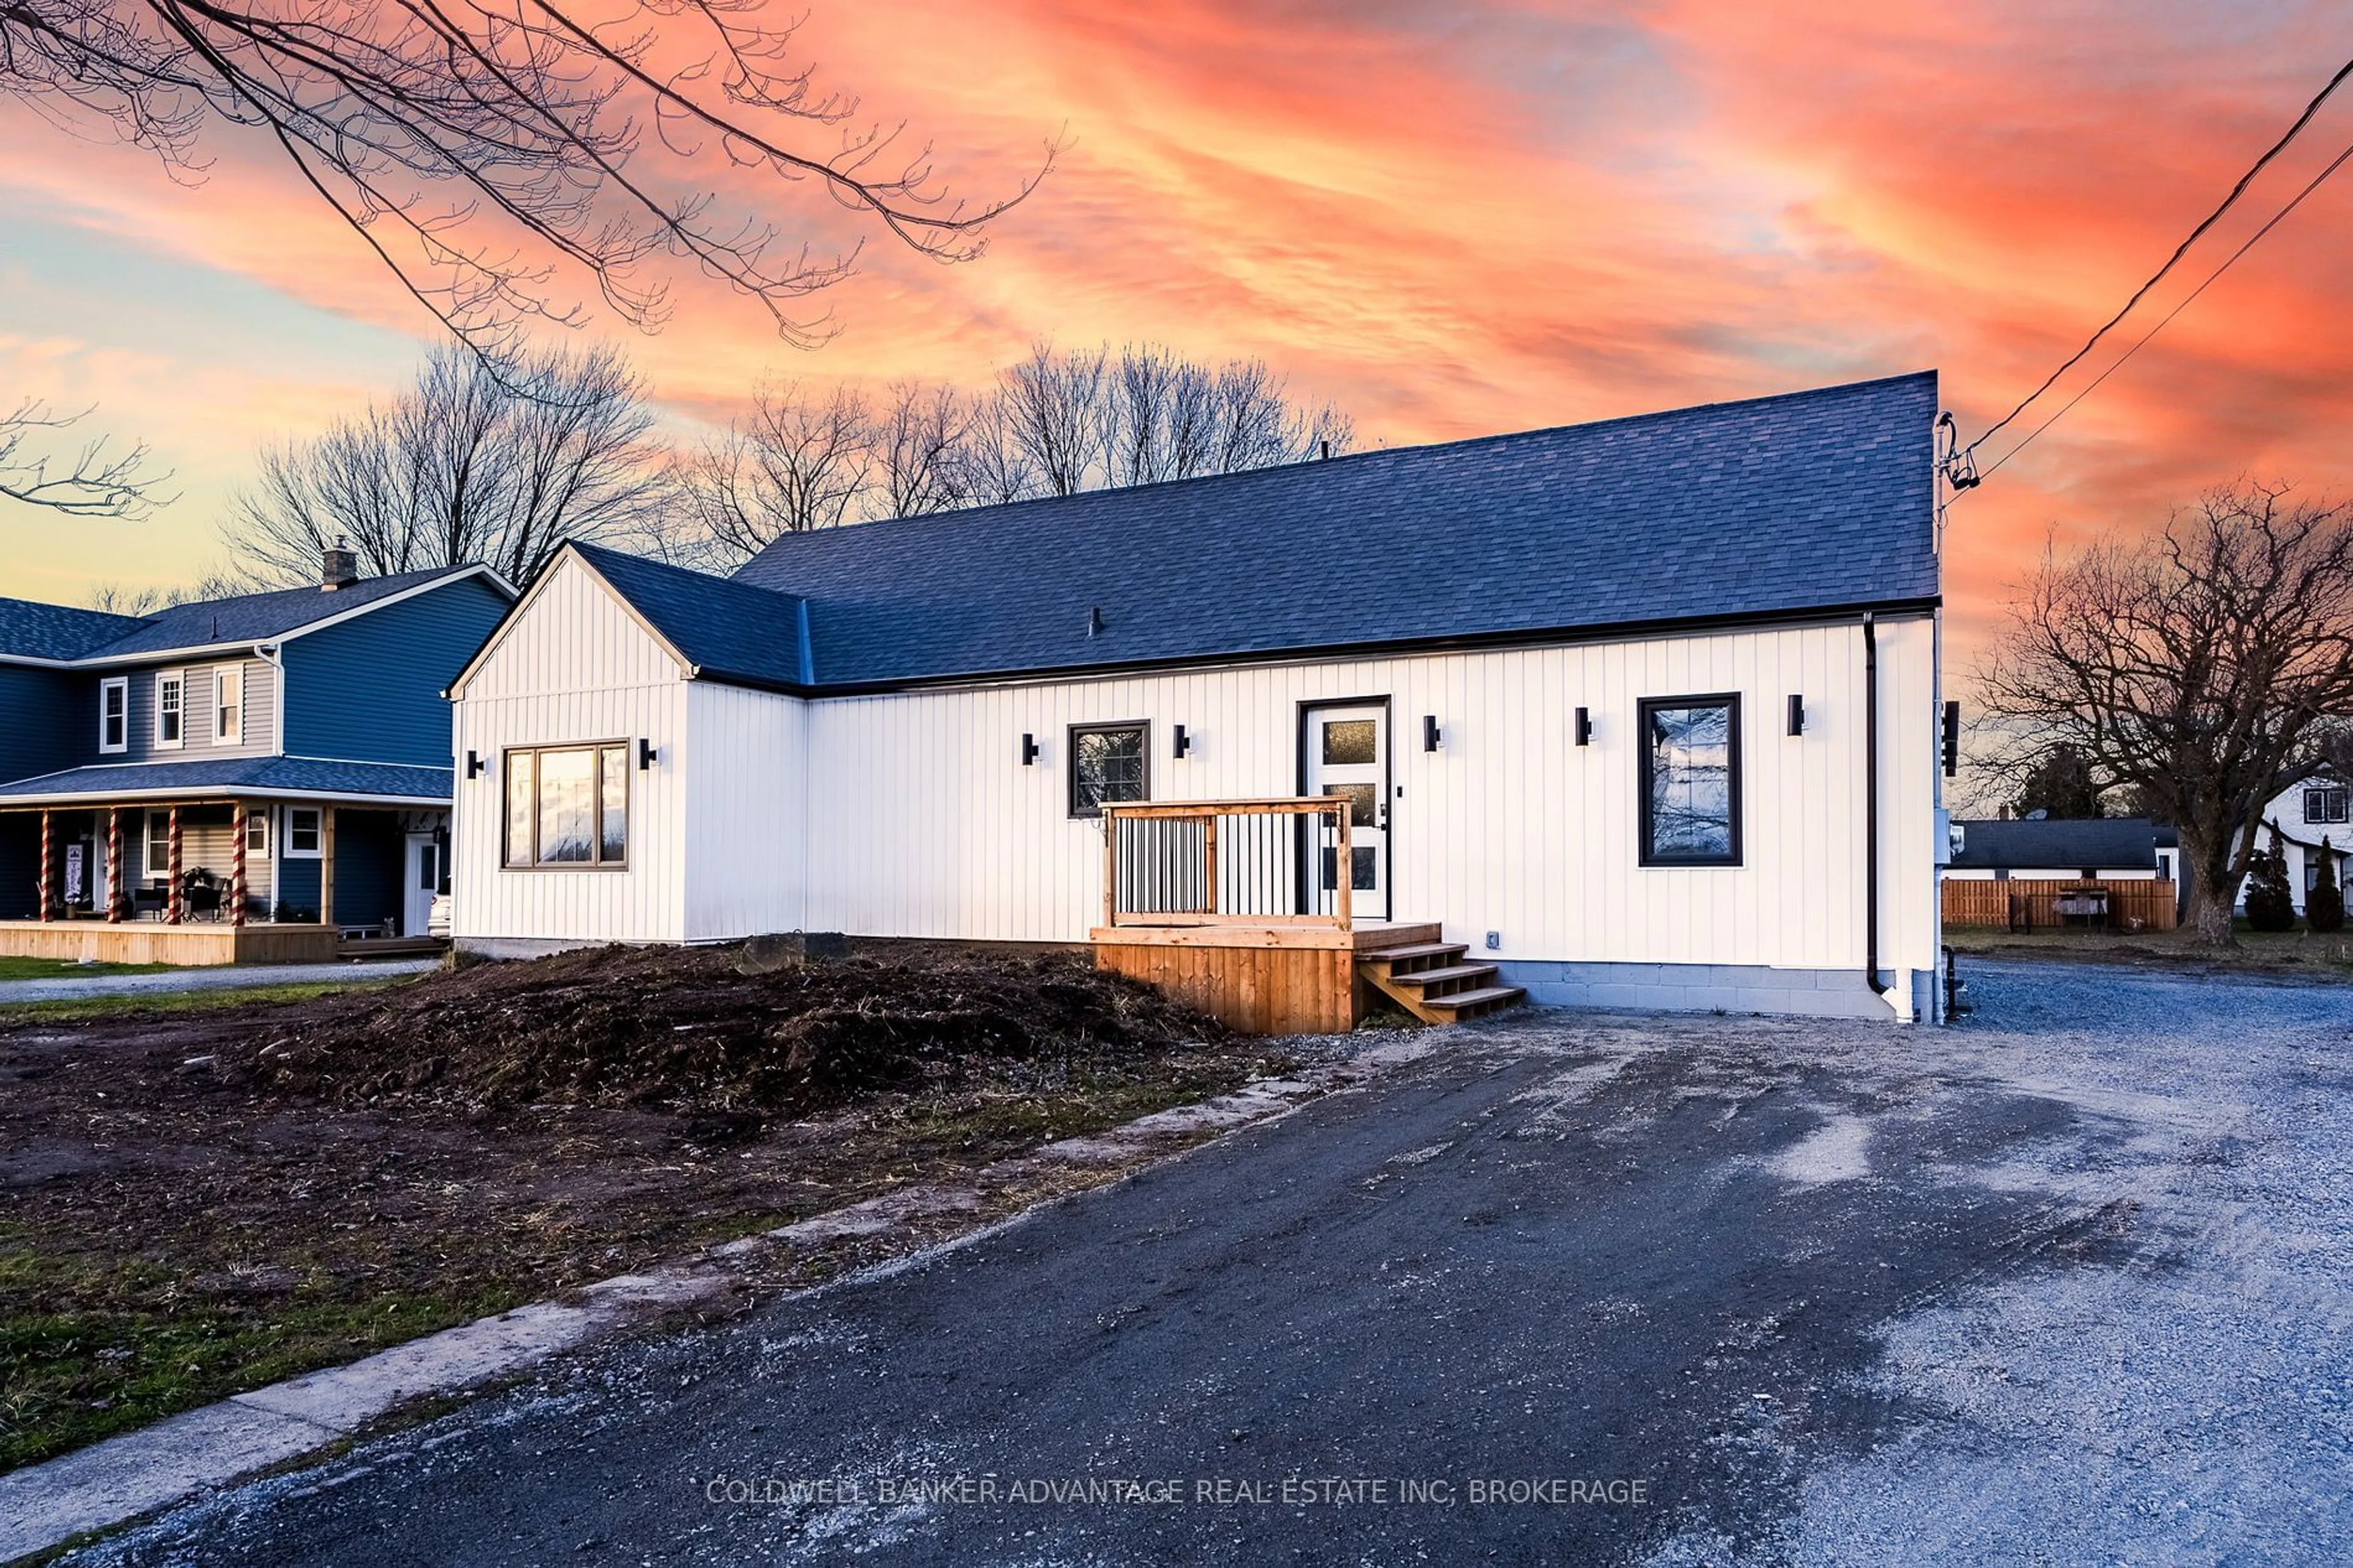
338	568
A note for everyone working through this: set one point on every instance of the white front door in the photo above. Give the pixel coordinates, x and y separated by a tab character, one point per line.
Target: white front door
1348	753
423	880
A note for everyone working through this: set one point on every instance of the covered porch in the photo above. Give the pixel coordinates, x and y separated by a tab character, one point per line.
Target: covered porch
220	875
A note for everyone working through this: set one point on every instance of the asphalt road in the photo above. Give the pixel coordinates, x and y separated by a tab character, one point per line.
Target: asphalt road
2064	1284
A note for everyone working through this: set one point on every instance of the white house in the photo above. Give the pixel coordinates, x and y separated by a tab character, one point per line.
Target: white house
2315	811
1641	712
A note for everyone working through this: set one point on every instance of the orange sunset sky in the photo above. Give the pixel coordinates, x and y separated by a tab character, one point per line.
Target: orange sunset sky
1447	219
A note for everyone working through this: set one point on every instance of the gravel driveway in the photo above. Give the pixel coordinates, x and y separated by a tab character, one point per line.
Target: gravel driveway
2064	1284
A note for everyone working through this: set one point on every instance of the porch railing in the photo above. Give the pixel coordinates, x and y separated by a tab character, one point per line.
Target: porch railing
1229	862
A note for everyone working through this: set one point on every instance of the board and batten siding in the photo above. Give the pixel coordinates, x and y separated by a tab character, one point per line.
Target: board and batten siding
746	794
923	823
573	667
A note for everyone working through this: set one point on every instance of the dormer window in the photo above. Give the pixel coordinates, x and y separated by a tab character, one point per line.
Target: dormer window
114	714
171	708
2327	803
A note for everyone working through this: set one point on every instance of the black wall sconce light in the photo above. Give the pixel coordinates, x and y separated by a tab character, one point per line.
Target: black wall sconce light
1028	751
1584	727
1952	739
646	755
1430	731
475	765
1797	714
1184	743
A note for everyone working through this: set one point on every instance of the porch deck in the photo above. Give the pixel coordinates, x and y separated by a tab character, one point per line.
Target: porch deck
154	941
1259	978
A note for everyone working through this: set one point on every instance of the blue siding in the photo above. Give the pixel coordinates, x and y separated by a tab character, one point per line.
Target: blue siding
369	689
369	846
49	719
297	888
20	865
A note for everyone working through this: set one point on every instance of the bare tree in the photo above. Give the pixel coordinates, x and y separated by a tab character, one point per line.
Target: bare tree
96	483
480	150
802	460
2194	669
1053	411
117	600
469	465
922	449
1053	425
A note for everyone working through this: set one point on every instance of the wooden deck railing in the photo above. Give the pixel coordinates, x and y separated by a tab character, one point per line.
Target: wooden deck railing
2035	904
1229	862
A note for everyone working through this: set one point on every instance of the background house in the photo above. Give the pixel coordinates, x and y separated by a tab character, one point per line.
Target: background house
2313	811
2118	848
288	753
1637	712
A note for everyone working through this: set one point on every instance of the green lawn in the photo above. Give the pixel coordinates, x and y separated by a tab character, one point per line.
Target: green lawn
199	1000
68	969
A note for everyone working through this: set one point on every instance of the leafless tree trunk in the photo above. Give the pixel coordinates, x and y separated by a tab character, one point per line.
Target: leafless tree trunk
484	153
469	465
96	483
2196	668
1053	408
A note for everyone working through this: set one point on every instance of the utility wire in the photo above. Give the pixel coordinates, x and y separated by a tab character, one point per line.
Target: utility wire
2315	185
2237	191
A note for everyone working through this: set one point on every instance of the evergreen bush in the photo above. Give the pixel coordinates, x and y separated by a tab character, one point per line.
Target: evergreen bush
2271	905
2324	907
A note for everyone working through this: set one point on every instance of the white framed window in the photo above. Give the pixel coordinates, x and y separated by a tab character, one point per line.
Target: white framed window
171	708
567	808
228	704
304	833
159	842
256	834
114	713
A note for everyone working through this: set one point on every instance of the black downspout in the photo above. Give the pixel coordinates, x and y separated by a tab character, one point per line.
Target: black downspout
1870	807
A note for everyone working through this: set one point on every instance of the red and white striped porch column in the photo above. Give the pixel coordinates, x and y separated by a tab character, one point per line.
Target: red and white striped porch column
174	896
236	867
49	869
117	895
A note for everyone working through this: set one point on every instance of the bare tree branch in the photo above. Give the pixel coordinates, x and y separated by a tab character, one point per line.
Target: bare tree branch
481	148
96	483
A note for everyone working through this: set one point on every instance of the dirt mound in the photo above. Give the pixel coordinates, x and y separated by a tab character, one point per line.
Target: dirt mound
685	1031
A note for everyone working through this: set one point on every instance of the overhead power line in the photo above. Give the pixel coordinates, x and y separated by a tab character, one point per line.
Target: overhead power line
2180	250
2316	181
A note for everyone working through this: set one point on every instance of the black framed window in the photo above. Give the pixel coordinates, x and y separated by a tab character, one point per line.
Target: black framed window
567	807
1110	764
2326	803
1690	780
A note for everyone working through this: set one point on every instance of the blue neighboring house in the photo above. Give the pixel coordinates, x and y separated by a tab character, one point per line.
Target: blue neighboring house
305	727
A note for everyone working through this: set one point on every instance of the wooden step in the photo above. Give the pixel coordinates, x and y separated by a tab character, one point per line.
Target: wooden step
1464	1004
1453	976
1419	955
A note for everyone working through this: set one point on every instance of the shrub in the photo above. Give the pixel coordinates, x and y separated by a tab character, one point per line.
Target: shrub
2270	906
2324	907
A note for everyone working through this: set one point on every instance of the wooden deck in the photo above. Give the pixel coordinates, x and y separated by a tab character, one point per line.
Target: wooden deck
152	941
1272	979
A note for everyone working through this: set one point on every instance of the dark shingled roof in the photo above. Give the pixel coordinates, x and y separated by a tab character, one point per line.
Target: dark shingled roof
1815	501
2068	844
255	617
30	629
240	776
727	629
1810	500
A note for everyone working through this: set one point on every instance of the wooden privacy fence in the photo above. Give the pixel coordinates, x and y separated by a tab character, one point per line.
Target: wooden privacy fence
1229	862
2052	905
